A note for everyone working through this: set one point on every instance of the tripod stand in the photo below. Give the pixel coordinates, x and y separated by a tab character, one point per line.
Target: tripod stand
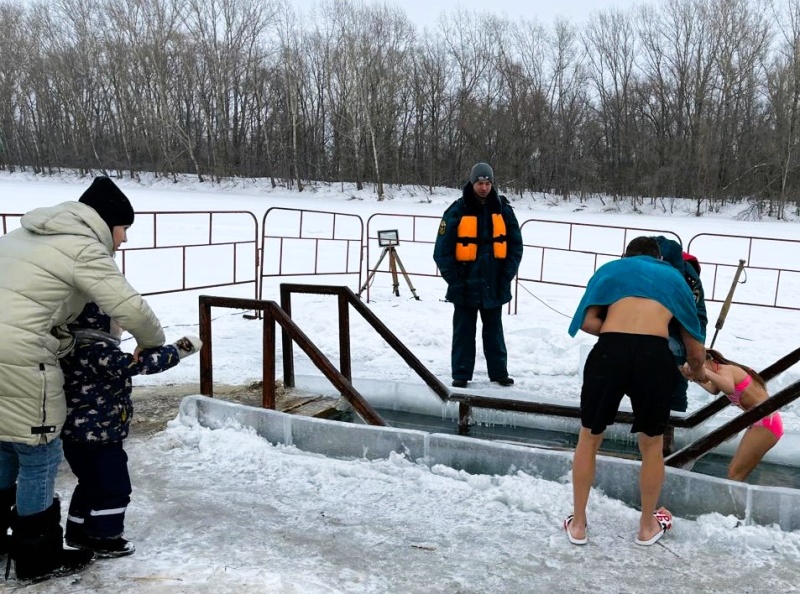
394	262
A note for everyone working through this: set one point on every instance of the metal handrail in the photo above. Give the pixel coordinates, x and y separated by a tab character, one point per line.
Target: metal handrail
301	233
723	402
4	221
273	313
155	242
347	297
342	380
467	401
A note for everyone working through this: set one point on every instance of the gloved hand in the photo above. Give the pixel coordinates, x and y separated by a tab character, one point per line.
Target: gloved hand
188	345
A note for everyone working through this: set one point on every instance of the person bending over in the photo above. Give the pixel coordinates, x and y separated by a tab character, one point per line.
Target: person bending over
689	267
745	389
629	304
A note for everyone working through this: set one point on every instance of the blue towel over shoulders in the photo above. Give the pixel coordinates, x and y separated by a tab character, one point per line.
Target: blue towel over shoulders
640	276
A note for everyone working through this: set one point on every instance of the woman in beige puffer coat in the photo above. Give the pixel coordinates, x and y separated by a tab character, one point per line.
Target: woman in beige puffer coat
60	258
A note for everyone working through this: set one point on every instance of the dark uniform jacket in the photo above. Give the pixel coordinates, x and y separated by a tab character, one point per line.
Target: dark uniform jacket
672	253
485	282
687	265
97	380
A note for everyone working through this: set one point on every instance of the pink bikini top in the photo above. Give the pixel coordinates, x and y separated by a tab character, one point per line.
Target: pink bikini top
738	390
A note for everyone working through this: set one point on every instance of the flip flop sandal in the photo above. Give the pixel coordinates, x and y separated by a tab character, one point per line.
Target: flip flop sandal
572	539
664	519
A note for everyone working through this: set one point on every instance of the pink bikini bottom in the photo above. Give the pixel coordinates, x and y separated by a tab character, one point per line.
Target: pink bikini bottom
773	422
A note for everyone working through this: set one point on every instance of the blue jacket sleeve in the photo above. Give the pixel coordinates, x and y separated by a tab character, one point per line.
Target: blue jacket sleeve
696	285
112	361
157	360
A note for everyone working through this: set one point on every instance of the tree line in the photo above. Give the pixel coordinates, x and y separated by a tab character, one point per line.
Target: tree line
679	98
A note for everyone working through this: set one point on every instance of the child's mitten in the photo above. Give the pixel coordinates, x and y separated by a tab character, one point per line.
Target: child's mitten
188	345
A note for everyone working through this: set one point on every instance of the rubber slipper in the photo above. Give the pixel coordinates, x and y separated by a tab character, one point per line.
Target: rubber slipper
572	539
664	519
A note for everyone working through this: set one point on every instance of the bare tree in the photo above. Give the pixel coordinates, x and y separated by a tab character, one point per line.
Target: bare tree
567	95
523	66
784	93
695	98
610	43
292	62
680	48
13	48
469	49
429	82
744	34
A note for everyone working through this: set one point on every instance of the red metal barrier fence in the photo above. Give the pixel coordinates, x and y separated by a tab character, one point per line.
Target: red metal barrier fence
9	222
195	244
567	254
303	243
204	249
770	263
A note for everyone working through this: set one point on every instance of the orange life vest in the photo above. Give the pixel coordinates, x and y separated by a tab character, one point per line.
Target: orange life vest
467	243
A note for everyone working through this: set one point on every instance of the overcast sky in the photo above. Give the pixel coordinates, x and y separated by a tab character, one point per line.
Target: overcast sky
426	12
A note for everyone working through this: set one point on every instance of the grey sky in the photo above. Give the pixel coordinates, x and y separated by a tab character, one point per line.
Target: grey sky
426	12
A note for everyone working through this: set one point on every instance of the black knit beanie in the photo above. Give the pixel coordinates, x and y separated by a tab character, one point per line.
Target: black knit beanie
110	203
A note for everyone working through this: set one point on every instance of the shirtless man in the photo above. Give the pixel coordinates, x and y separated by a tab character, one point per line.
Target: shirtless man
629	303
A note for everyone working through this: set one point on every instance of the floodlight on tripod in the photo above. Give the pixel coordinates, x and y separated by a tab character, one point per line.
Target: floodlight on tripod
388	238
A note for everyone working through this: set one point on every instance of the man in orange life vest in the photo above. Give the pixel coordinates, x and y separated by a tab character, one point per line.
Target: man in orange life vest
478	251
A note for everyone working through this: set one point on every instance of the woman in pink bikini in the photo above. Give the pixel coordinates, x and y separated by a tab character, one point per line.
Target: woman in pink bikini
745	389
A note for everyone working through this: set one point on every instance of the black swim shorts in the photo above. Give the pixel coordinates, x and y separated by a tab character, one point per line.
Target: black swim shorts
637	365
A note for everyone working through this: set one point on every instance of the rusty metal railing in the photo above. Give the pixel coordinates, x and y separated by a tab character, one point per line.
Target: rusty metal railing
705	444
685	455
722	402
346	299
6	222
163	235
272	314
714	251
567	254
297	242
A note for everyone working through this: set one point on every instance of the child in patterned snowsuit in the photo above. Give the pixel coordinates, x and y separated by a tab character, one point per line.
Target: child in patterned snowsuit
97	385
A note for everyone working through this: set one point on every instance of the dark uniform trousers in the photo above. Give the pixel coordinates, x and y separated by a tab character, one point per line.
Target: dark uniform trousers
465	320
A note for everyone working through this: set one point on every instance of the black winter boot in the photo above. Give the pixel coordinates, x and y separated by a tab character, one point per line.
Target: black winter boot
103	548
7	499
37	547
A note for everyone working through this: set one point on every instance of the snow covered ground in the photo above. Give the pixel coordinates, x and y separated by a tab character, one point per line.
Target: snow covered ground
223	511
